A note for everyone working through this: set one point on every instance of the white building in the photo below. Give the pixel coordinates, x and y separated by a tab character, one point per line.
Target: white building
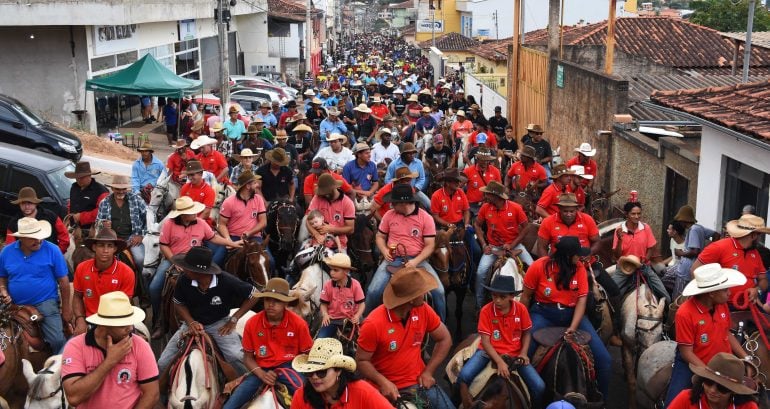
484	22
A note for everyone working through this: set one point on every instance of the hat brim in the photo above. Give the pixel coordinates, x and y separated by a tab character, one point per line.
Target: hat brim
412	175
276	296
732	278
207	141
554	177
119	244
300	363
153	150
388	198
136	317
195	209
391	300
590	153
118	186
325	191
412	150
735	387
178	260
501	290
283	162
42	234
21	200
498	194
628	266
735	231
76	175
330	263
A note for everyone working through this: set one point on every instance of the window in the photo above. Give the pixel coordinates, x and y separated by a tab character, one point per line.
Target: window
126	58
102	63
744	185
21	178
7	114
186	62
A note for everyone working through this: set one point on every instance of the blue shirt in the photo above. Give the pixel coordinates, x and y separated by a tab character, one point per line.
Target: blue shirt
328	127
415	166
234	130
358	177
269	119
425	123
142	175
169	115
32	280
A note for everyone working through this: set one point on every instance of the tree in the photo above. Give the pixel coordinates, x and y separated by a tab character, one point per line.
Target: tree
729	15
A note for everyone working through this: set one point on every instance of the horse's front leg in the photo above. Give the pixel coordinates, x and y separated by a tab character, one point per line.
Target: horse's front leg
629	366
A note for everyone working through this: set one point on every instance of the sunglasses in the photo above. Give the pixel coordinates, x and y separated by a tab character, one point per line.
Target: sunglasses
720	388
320	374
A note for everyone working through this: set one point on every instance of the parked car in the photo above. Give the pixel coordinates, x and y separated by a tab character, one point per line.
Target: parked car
211	101
20	167
263	83
259	93
20	126
248	103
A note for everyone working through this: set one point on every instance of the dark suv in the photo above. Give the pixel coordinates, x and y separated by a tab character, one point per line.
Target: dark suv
20	167
20	126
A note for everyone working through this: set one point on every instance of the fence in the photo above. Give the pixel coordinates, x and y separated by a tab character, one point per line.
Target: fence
487	97
533	88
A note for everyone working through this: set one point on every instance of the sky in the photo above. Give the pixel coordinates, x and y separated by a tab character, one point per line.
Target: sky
536	14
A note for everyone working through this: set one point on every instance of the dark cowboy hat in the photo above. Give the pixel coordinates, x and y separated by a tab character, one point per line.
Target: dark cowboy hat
406	285
277	288
567	200
400	194
245	178
145	146
278	156
253	129
408	147
291	104
197	260
528	151
404	173
26	194
451	174
728	371
319	165
570	245
193	166
81	169
327	184
685	214
560	170
495	188
503	285
106	235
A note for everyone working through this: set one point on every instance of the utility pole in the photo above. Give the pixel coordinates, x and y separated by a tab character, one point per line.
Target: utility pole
610	54
308	38
433	24
554	11
747	46
497	30
224	55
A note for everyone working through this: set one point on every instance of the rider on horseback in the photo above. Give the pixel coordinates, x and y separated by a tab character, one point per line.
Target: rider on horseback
504	326
526	171
479	175
85	195
562	178
450	206
28	205
177	161
342	297
126	214
145	171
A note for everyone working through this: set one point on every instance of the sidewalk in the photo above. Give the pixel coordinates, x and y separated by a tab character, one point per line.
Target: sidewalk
156	133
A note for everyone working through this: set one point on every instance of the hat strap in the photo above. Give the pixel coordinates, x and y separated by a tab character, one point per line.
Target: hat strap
316	362
749	228
723	376
115	316
714	285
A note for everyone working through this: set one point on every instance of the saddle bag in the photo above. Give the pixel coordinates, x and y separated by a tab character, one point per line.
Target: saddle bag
167	320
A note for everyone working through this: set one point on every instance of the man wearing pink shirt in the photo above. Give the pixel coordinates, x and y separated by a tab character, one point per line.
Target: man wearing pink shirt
338	210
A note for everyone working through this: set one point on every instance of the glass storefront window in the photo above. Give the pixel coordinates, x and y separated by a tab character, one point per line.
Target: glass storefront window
102	63
186	45
159	51
186	62
126	58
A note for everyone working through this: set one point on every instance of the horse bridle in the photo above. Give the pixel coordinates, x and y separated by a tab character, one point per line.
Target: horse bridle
277	210
48	371
248	268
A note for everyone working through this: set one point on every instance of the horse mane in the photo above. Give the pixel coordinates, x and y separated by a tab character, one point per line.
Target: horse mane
361	223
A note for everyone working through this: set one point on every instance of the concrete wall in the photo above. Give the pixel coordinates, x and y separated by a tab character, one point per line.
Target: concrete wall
592	57
585	105
253	40
42	73
486	97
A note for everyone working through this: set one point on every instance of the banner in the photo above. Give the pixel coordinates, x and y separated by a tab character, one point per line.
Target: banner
112	39
430	26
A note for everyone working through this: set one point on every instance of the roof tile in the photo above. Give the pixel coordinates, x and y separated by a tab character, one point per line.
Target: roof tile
451	42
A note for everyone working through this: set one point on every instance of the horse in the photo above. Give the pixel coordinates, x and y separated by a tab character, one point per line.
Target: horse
194	378
250	263
653	371
600	205
434	170
18	332
425	142
641	326
556	158
361	248
162	196
283	221
527	198
311	281
452	263
77	251
45	386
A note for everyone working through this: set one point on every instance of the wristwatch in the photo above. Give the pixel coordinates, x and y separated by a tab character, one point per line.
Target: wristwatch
234	319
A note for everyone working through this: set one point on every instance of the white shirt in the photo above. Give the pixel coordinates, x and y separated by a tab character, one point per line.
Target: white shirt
380	153
335	160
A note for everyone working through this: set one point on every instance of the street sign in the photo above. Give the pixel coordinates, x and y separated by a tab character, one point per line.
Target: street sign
560	76
430	26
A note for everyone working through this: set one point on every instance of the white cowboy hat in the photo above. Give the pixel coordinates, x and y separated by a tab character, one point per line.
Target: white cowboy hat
580	170
326	353
202	140
185	205
115	310
712	277
585	149
33	229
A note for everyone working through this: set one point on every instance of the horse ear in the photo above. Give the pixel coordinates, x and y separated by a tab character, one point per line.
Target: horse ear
28	371
661	306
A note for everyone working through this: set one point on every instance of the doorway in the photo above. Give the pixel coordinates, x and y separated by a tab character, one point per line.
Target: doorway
675	196
744	185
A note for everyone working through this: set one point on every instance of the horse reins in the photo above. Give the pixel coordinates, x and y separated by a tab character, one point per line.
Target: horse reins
277	210
47	371
286	372
248	269
741	301
641	280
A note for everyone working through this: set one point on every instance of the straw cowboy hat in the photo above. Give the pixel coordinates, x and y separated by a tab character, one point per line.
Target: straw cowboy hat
629	264
580	170
265	105
728	371
185	205
256	120
460	113
382	131
561	170
26	194
528	151
495	188
408	147
361	147
302	128
335	137
404	173
339	260
316	101
503	285
31	228
203	140
535	128
233	110
81	169
180	143
281	134
193	166
406	285
567	200
107	235
308	93
115	310
333	111
278	156
425	110
686	214
376	99
747	224
585	149
245	153
412	98
712	277
218	127
326	353
120	182
424	91
197	126
245	178
277	288
362	108
398	91
146	146
400	194
327	184
252	129
197	260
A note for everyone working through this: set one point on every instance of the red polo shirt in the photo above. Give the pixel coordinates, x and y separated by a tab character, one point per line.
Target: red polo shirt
311	182
705	332
202	193
491	139
550	197
534	173
590	168
552	229
542	277
505	331
397	348
502	224
357	395
478	179
215	163
379	198
276	345
176	164
93	283
181	238
729	254
682	401
635	242
449	208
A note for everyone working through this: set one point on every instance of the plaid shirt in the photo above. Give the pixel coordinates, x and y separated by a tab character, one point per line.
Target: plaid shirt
136	207
238	169
225	147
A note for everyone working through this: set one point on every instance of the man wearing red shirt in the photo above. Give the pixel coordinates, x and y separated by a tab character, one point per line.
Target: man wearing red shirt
449	206
291	110
338	210
197	189
703	323
526	171
403	176
583	158
211	159
561	176
378	109
319	167
479	176
503	220
739	252
178	160
390	340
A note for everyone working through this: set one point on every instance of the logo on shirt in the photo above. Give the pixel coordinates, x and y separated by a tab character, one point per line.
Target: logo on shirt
89	293
547	291
260	334
289	334
391	330
392	346
415	232
701	322
496	334
216	300
67	361
124	376
262	350
517	319
444	208
337	217
88	277
254	214
704	338
114	281
194	243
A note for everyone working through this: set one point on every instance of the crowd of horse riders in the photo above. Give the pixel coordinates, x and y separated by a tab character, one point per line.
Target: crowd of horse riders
451	200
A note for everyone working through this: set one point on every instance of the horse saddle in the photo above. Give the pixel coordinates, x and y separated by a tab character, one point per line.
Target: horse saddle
29	318
551	336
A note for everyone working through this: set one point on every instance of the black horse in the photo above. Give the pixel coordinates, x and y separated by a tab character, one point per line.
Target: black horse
361	248
283	220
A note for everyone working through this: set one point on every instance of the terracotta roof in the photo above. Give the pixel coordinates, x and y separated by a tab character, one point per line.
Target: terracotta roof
758	38
666	41
744	107
289	10
407	30
451	42
493	50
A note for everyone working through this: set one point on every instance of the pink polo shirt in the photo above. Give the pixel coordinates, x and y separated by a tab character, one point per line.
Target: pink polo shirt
342	302
121	388
181	238
635	242
242	215
335	212
408	231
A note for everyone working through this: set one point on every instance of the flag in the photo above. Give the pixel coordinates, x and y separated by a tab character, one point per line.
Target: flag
630	6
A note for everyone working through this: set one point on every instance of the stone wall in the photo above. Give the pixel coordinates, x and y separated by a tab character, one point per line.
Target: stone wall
593	56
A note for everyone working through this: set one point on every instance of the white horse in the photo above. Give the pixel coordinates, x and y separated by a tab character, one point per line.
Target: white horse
425	142
556	158
166	191
195	384
45	391
653	372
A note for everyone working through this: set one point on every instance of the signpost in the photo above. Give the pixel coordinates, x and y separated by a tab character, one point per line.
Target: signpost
560	76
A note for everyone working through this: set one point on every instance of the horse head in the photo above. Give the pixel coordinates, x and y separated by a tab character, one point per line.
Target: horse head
45	389
361	244
285	219
649	319
194	385
256	261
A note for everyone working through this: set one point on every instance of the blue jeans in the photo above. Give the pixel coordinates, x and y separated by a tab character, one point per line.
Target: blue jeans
229	345
329	331
486	262
479	361
220	252
251	384
382	277
544	316
681	378
156	286
53	330
436	396
137	253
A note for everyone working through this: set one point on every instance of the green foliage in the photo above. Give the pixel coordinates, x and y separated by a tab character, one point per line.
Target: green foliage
379	24
729	15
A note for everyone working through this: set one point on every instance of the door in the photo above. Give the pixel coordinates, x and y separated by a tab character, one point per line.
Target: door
12	129
744	185
677	190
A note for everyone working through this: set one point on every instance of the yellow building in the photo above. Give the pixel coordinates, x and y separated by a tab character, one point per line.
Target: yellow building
445	18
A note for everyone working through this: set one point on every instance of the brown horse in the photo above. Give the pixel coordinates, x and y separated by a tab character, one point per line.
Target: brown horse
434	171
452	263
527	198
361	248
15	345
250	263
